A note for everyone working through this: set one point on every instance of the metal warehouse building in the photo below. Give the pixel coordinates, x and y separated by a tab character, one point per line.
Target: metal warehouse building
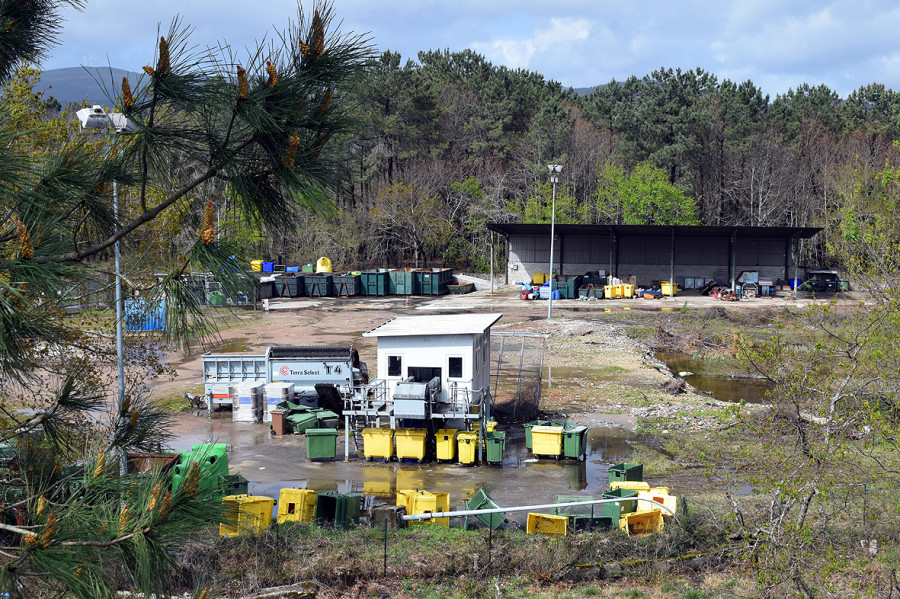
652	252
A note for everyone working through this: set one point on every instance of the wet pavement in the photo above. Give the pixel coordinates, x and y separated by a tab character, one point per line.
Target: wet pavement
272	463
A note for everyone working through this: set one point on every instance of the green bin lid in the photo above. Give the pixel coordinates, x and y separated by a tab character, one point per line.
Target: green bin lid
316	432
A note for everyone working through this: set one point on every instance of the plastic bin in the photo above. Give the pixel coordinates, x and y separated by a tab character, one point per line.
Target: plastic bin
668	289
641	522
539	278
628	291
446	444
280	425
424	502
547	440
323	265
482	501
467	446
246	514
575	442
338	509
321	443
626	472
233	484
300	422
378	443
660	494
529	426
410	443
615	510
296	505
547	524
628	484
256	265
495	442
345	285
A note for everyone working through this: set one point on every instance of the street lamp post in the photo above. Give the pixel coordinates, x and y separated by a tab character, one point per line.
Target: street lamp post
555	170
97	118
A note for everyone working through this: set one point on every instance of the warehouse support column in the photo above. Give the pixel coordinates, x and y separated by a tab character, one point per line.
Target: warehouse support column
672	263
733	251
612	241
492	263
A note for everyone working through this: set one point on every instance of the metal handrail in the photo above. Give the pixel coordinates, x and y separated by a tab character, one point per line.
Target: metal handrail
525	508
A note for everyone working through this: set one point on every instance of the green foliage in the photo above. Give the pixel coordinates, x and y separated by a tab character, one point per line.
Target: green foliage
539	208
643	198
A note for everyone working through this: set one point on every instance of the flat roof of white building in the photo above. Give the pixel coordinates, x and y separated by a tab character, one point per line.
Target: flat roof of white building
438	324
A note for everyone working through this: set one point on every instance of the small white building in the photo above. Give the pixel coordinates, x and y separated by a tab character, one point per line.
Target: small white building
455	348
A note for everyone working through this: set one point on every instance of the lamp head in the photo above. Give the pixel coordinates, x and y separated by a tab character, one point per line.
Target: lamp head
554	169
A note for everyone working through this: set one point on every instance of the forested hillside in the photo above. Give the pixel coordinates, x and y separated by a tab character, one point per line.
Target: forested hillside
447	142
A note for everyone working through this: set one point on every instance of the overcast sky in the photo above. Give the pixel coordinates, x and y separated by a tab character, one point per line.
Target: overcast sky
778	44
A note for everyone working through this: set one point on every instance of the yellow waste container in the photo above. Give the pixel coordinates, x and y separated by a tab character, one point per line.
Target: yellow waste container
628	291
546	524
256	265
296	505
609	291
323	265
538	278
467	444
630	485
668	288
410	443
641	522
446	443
246	514
424	502
547	440
378	443
660	494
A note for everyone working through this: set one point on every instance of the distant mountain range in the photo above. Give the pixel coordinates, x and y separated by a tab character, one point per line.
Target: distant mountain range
97	85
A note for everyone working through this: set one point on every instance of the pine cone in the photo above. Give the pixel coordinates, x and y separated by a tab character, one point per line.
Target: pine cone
192	485
243	84
49	532
154	495
326	101
288	159
26	250
101	463
124	517
319	32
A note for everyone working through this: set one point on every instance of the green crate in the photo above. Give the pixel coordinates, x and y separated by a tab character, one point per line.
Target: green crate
626	472
615	510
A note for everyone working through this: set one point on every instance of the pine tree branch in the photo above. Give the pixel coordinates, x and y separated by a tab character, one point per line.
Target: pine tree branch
116	541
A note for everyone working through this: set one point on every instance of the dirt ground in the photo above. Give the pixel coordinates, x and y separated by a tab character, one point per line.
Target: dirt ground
594	373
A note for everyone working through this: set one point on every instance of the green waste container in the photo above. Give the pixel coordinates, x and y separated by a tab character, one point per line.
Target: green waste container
529	426
321	443
233	484
402	282
374	282
216	298
302	421
626	472
615	510
496	444
575	442
346	285
482	501
318	285
583	517
338	509
212	460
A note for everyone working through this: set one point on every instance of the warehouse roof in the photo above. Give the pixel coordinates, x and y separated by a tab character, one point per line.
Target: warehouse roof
440	324
654	230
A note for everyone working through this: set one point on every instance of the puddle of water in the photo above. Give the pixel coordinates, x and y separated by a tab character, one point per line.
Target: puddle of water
723	388
272	463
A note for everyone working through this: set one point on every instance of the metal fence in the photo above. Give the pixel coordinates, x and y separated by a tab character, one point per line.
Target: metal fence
517	361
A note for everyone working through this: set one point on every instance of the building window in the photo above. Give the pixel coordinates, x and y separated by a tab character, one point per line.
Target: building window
455	370
395	366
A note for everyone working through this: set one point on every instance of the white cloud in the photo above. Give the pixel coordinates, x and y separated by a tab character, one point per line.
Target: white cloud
518	53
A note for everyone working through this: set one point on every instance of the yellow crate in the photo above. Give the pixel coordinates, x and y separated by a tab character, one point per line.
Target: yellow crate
546	440
410	443
467	444
378	442
296	505
246	514
629	485
641	522
660	494
446	443
256	265
423	502
628	290
667	288
546	524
